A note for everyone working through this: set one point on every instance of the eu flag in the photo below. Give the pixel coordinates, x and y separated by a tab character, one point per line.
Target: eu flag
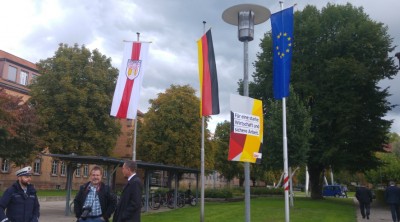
282	39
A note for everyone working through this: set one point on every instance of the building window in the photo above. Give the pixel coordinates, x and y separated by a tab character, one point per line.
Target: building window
54	167
33	77
23	78
63	168
129	123
78	172
5	166
12	73
85	170
36	166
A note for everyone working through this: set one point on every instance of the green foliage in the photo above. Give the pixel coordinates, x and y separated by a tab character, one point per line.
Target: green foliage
266	191
19	129
171	133
73	99
389	169
229	169
380	196
218	193
394	143
298	133
339	56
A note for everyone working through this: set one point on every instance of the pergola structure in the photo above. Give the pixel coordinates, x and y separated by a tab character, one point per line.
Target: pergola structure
73	161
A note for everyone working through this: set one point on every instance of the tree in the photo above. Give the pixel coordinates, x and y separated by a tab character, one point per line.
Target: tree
394	143
19	130
298	133
229	169
390	167
171	132
339	56
389	170
73	99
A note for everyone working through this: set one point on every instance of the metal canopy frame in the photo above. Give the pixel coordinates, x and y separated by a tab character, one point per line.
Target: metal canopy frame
72	161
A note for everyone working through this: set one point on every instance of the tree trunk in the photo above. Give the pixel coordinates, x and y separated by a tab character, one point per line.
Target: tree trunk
241	182
254	182
316	181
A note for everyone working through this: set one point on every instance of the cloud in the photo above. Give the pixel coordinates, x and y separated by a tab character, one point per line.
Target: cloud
172	26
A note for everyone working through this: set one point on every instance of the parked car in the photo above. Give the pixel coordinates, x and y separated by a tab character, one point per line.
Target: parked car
333	191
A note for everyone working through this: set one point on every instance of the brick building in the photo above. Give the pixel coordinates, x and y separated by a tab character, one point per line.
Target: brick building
48	173
15	75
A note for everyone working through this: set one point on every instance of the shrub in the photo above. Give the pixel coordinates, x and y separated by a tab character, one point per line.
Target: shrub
266	191
218	193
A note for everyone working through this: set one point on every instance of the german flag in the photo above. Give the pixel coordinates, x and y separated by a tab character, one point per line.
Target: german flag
209	101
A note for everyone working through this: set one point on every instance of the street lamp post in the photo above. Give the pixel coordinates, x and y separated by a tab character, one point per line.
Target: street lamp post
245	16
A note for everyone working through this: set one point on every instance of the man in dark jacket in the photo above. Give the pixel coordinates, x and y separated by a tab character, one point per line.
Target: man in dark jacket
20	200
96	198
392	196
130	204
364	197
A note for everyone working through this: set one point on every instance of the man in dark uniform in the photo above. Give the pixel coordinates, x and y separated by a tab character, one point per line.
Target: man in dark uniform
20	200
364	197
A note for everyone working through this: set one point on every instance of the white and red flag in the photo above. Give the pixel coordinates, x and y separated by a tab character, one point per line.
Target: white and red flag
127	91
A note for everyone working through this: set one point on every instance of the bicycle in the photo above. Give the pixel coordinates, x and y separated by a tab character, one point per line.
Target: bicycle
190	199
180	200
71	207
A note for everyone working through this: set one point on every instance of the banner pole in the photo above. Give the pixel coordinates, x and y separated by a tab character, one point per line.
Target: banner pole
135	122
202	172
202	157
285	162
285	154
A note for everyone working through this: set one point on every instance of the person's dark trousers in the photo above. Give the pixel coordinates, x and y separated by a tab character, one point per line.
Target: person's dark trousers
394	208
365	209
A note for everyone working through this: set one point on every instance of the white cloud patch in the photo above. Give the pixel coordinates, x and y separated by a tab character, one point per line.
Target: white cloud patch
172	26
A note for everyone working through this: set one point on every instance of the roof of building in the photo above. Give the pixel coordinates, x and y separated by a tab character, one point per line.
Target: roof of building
19	61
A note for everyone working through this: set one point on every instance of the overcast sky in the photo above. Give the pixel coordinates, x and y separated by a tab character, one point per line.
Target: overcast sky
33	29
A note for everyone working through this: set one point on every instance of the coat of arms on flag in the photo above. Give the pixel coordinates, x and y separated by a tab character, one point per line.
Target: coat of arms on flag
133	68
127	90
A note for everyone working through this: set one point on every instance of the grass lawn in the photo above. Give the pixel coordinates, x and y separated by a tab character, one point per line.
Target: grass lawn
263	210
54	193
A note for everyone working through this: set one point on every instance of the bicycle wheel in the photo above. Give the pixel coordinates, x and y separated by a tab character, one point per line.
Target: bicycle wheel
181	200
193	201
170	202
164	200
71	207
143	209
155	201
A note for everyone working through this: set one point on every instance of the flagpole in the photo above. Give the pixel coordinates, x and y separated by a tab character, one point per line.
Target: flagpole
135	122
202	157
285	154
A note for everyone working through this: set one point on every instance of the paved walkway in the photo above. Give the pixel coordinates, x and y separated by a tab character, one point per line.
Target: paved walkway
379	212
52	211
